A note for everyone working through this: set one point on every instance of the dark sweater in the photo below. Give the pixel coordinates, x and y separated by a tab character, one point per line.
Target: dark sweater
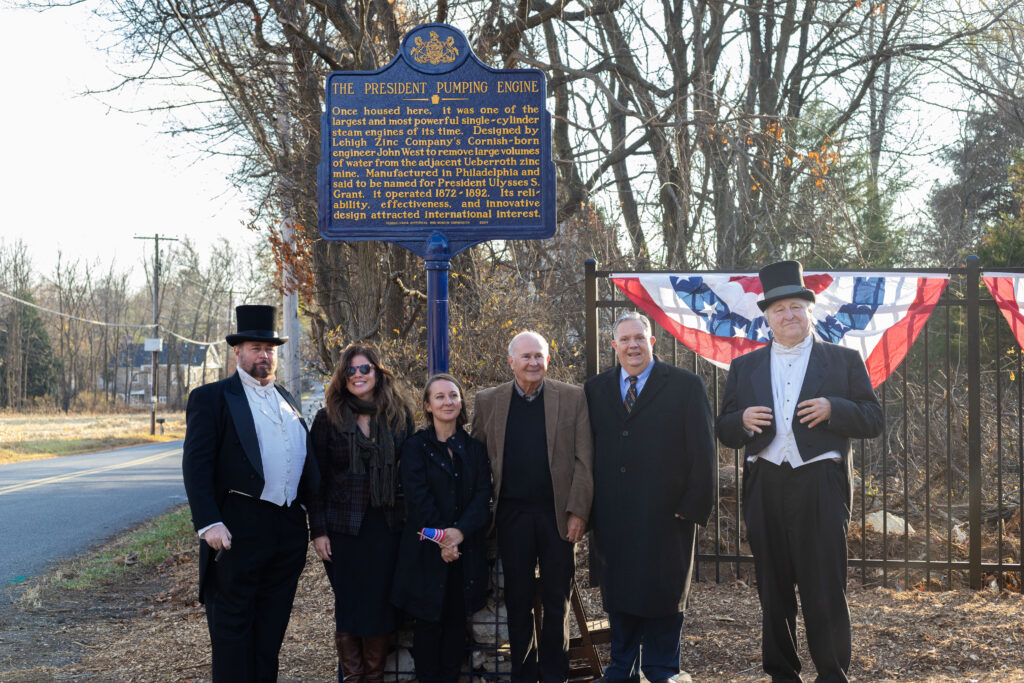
526	475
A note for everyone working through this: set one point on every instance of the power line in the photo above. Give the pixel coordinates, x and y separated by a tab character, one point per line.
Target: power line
106	324
68	315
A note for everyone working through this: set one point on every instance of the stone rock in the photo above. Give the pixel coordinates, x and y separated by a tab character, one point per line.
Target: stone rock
893	523
489	662
400	661
490	626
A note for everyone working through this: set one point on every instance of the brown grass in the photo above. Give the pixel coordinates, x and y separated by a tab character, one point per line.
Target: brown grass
35	436
143	623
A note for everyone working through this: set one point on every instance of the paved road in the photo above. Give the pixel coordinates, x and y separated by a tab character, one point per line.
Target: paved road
55	508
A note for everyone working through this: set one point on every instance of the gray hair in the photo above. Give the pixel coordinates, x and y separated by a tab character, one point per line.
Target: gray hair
529	333
633	315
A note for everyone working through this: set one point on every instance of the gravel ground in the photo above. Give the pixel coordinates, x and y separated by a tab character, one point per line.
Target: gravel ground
148	627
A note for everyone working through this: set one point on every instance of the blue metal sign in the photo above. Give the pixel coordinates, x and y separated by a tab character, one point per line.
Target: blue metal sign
436	151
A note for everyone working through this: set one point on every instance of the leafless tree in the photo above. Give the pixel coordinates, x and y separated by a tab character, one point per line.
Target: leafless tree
718	133
15	279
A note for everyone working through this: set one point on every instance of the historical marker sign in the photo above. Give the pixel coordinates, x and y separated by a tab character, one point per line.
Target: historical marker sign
436	143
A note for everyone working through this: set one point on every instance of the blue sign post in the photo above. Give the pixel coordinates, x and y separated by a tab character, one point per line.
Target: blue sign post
436	152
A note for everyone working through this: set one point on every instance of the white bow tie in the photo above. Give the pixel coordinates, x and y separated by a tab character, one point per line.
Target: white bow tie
263	391
794	350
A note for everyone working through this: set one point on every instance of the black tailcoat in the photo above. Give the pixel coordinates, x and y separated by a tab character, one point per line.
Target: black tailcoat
797	519
650	465
222	453
833	372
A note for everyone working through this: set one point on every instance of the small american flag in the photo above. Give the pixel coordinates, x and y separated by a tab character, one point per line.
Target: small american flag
435	535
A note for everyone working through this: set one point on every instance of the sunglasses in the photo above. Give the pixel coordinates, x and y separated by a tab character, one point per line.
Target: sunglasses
364	369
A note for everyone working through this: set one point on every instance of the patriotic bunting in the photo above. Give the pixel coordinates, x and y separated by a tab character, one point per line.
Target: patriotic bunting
1008	291
716	315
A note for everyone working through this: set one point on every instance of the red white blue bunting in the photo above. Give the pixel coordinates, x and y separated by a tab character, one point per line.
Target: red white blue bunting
1008	291
716	314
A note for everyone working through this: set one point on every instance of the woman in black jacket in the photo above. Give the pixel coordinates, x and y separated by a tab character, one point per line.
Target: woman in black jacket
355	518
447	483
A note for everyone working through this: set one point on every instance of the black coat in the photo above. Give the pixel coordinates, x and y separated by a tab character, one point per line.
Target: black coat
650	465
430	485
222	453
833	372
343	497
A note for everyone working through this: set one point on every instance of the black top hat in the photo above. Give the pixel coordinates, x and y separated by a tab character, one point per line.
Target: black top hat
783	280
255	323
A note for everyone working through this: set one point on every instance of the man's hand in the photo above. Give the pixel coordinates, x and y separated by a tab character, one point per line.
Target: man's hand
322	546
453	538
450	553
756	417
814	411
218	537
576	527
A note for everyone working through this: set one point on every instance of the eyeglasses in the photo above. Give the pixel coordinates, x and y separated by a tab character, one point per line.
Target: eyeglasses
364	369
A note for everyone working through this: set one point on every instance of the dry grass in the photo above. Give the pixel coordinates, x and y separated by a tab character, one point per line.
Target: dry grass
34	436
143	624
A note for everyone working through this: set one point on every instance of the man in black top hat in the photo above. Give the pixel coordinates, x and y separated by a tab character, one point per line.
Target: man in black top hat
246	475
794	405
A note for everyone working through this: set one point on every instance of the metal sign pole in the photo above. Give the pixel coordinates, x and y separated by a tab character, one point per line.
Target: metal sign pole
436	152
437	263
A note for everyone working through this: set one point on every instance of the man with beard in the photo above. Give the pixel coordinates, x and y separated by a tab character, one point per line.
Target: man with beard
246	474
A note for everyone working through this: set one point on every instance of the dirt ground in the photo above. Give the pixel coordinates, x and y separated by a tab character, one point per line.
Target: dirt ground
148	627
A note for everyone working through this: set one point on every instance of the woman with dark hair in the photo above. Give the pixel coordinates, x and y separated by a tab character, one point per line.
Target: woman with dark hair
447	482
356	517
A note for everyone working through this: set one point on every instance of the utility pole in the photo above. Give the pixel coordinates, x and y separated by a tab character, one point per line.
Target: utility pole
156	345
231	312
291	377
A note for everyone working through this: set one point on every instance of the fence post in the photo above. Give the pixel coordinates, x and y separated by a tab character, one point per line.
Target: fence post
590	332
971	284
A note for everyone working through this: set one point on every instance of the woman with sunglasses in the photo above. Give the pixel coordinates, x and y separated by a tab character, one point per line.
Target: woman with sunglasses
447	482
356	519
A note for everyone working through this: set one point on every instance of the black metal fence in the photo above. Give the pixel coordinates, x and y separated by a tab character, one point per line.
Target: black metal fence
938	495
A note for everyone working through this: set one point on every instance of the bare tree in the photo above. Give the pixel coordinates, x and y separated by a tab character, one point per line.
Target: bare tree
718	133
727	125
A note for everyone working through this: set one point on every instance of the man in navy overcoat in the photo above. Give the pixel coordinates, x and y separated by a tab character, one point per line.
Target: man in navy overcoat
654	460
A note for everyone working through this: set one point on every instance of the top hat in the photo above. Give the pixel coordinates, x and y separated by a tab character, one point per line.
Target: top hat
783	280
255	323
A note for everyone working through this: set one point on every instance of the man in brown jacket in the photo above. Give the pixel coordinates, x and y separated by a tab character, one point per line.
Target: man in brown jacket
538	438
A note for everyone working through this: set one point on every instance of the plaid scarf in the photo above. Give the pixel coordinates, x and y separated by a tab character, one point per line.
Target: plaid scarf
374	453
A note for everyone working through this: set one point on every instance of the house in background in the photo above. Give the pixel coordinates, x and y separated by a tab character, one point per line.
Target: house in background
182	367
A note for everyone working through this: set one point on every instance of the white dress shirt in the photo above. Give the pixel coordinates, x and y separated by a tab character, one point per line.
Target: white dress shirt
788	369
282	440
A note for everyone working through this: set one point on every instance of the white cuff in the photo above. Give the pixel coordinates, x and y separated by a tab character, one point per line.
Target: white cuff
207	528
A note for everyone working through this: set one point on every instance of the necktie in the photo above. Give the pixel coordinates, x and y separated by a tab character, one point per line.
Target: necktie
630	399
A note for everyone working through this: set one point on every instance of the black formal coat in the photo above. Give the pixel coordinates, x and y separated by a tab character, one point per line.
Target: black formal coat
221	453
650	465
430	485
833	372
